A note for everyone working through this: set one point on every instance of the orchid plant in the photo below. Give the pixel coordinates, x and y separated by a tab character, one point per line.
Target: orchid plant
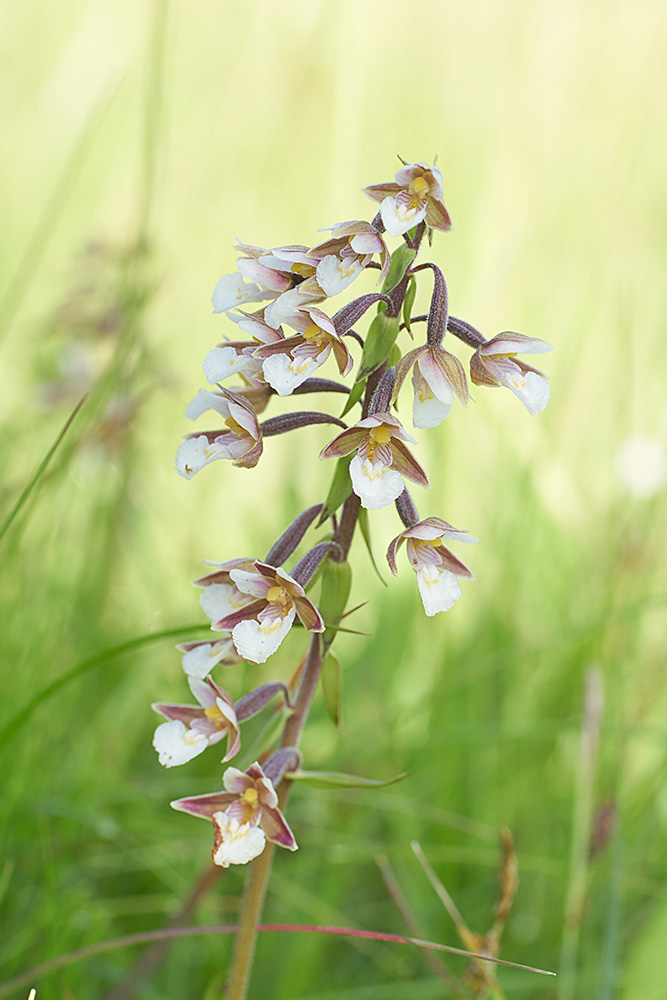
285	334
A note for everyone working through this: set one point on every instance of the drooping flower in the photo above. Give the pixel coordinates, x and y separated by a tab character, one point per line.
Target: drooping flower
437	376
274	600
192	728
414	196
240	441
349	250
382	460
221	596
288	363
244	815
496	363
436	567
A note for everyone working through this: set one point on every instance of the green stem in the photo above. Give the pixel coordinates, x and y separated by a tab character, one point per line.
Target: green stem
253	898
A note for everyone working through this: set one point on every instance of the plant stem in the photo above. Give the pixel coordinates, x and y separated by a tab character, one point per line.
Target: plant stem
253	897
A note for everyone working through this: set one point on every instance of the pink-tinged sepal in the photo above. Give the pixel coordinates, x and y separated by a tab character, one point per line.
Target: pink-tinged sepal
496	363
404	462
204	805
436	567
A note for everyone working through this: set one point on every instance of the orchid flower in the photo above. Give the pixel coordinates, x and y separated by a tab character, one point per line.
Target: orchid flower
244	816
192	728
288	363
416	195
382	460
496	363
274	600
436	567
437	376
241	441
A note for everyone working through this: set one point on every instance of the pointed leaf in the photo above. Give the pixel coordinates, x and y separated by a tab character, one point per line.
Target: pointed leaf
408	302
332	681
366	532
380	339
336	584
336	779
401	259
356	393
340	489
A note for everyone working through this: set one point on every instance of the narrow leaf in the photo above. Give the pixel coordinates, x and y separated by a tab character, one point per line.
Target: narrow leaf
408	302
40	470
380	339
336	779
332	680
356	393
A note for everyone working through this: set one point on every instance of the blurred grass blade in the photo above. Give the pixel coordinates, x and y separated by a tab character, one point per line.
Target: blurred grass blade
38	243
364	524
41	469
22	716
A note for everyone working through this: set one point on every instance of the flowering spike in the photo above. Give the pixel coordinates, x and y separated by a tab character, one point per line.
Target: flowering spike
288	541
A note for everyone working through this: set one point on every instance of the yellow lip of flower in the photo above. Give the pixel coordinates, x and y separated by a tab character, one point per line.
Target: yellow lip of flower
250	797
278	595
214	714
419	189
312	332
381	434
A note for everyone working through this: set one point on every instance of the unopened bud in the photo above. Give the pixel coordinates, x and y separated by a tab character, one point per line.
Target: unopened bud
306	566
290	538
407	510
285	759
439	311
253	702
292	421
382	396
346	317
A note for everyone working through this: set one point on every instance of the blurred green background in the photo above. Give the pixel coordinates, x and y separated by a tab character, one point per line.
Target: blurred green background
139	141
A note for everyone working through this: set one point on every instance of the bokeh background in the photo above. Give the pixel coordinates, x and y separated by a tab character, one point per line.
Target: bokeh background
139	140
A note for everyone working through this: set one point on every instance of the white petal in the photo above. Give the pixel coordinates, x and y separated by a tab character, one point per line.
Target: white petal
221	362
257	642
240	843
231	290
194	453
532	389
176	744
376	485
206	400
284	375
427	409
199	662
398	220
439	589
219	600
333	274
